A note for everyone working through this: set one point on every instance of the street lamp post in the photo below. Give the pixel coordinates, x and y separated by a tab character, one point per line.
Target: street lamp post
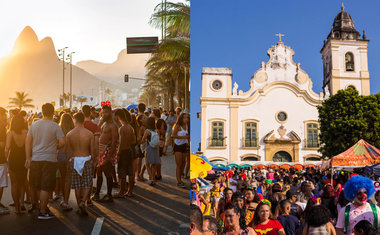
70	57
62	53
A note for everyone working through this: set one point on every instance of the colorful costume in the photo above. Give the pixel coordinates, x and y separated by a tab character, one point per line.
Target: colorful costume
104	151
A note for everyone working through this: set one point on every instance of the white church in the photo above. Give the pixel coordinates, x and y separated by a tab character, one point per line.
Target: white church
276	120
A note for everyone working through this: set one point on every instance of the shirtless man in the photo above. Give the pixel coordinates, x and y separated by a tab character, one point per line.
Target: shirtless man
125	153
81	142
94	128
107	154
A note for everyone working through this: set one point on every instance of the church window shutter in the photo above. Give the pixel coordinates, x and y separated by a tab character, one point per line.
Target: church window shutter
312	135
217	134
250	138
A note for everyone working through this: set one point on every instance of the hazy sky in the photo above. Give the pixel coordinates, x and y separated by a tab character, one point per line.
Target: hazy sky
237	35
94	29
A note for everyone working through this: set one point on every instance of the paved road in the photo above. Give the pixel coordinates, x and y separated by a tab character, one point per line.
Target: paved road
161	209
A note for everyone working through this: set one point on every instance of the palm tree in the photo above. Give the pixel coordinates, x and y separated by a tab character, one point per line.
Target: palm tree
66	97
168	67
20	101
81	100
108	92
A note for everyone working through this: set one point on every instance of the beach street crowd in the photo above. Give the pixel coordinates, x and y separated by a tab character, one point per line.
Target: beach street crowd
49	153
281	201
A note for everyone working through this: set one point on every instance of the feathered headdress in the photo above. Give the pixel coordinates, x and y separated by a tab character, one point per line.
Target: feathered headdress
356	183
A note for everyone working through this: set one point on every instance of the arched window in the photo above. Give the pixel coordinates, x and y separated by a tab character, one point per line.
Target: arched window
250	136
282	156
352	87
250	157
313	159
349	58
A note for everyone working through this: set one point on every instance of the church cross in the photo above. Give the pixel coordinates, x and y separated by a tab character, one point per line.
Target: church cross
279	35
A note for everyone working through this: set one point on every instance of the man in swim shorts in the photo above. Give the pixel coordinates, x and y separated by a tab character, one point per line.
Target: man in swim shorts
81	142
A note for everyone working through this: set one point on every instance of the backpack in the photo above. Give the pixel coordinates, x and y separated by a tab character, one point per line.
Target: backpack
154	139
347	216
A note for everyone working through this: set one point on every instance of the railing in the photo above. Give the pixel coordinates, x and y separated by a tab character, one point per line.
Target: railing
249	143
217	142
312	144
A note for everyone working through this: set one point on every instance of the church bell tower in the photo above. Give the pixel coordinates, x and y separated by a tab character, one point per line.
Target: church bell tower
344	55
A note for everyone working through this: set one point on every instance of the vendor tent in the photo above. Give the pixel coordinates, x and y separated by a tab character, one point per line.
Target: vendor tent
360	155
374	169
233	165
199	167
217	167
245	166
131	106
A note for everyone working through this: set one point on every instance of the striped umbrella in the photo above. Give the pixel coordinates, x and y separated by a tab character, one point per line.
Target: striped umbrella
360	155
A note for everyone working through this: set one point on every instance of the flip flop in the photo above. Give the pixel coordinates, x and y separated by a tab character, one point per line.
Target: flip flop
126	195
18	213
106	198
116	195
65	206
95	198
82	209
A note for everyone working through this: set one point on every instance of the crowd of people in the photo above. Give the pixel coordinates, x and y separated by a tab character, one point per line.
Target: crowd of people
285	201
49	153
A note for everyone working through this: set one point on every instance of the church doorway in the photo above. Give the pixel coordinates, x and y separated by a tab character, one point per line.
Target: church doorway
282	156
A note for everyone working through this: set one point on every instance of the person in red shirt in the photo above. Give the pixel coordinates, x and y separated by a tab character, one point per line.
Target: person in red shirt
94	128
229	173
263	222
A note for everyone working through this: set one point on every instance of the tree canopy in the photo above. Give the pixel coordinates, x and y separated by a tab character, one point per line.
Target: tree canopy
168	69
20	101
347	117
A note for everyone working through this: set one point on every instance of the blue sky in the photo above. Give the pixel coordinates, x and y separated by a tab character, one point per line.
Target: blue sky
237	35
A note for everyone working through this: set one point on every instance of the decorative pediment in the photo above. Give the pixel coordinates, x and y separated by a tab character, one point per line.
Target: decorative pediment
301	77
284	136
280	56
280	67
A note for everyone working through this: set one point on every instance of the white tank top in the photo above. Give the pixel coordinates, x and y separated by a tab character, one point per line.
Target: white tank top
181	132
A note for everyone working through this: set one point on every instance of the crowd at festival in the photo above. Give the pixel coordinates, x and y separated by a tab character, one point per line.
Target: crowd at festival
285	201
49	153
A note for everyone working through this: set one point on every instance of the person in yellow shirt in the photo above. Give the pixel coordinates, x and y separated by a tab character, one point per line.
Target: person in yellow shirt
215	197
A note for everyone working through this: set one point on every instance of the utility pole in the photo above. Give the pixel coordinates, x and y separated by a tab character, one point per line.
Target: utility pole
70	57
163	20
62	53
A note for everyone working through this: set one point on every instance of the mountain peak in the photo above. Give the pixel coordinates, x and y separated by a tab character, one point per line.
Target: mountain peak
47	44
25	41
28	33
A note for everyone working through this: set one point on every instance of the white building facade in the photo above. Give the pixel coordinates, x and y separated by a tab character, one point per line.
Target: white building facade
277	118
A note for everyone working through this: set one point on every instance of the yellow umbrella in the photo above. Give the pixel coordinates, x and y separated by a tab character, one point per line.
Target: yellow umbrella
198	167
